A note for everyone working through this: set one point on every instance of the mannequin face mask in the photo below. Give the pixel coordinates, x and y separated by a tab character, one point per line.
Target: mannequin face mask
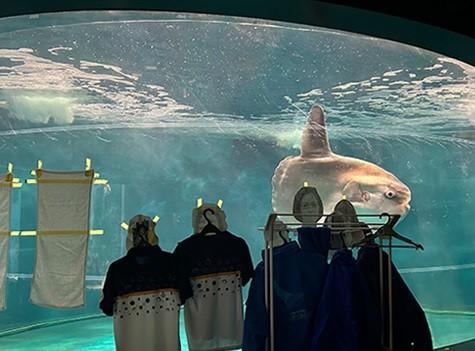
308	203
218	218
345	214
141	232
202	221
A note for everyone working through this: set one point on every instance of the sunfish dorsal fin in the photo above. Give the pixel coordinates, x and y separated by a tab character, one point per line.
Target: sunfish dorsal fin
314	138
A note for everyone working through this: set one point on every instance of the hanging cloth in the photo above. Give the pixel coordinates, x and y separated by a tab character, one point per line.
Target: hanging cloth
410	327
299	277
213	269
5	199
335	326
62	235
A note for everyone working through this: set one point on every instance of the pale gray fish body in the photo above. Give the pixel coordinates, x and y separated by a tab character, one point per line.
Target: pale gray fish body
370	188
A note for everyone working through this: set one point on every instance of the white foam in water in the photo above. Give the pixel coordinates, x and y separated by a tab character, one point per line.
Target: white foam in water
41	90
39	108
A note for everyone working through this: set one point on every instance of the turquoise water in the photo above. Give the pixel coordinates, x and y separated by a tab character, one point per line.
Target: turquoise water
175	107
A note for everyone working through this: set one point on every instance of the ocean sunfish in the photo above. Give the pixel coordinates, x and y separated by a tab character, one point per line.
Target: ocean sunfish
367	186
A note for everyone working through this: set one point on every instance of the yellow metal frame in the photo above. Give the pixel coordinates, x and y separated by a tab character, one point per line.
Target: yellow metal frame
87	169
54	232
37	173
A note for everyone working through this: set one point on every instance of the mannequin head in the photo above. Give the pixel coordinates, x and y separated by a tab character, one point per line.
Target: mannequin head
346	209
199	221
345	214
141	232
307	201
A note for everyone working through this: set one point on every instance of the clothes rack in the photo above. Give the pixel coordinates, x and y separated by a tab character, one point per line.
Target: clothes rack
385	234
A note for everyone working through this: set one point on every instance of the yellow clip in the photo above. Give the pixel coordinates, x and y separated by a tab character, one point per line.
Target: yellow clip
199	202
305	184
101	182
10	167
34	232
88	164
156	219
344	197
220	203
39	169
16	185
14	233
124	226
33	173
97	175
27	233
96	182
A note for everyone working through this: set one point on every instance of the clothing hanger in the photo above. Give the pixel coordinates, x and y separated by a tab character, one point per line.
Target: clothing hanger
387	230
210	227
342	240
285	239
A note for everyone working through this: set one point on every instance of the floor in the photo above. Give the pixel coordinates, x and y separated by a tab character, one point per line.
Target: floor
96	335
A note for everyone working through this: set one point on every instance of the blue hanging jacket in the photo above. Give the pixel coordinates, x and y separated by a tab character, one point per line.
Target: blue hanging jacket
410	327
335	326
316	240
299	276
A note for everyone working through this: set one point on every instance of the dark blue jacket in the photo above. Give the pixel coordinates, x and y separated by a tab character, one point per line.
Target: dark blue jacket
299	276
410	327
335	326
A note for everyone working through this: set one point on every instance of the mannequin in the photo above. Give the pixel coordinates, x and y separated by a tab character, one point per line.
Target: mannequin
140	281
299	274
213	265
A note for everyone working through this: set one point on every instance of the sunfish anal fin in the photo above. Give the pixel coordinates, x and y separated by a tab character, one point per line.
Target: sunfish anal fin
314	138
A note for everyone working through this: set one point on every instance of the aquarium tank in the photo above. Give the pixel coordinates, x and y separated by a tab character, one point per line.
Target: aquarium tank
173	107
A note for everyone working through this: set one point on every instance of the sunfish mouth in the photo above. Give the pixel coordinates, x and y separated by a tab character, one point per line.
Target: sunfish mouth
405	211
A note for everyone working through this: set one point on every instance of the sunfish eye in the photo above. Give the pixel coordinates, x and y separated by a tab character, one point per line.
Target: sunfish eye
390	194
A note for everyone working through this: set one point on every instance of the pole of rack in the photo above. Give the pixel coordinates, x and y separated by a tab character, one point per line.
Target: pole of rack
381	289
390	294
266	289
271	286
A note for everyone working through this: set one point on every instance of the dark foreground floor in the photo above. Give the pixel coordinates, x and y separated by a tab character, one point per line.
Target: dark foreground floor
97	335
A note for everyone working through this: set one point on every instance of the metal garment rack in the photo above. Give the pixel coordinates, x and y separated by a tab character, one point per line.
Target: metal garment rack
342	227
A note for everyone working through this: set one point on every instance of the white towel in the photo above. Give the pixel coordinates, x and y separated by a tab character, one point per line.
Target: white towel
5	196
61	241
